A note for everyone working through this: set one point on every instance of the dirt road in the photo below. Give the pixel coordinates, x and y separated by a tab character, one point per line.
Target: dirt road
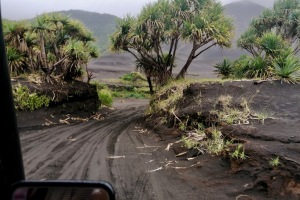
120	150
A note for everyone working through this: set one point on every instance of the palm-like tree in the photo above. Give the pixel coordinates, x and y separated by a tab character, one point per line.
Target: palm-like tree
288	69
43	28
79	54
153	36
15	34
282	19
15	61
54	44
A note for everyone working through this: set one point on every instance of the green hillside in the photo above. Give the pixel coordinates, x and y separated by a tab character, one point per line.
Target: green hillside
102	25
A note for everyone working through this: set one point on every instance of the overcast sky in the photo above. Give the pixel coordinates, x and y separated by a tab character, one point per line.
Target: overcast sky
25	9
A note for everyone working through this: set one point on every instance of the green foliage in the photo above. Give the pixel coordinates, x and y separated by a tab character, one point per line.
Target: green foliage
288	69
272	44
15	61
273	40
124	92
162	25
56	45
215	145
239	153
274	162
240	66
133	92
130	94
105	97
133	77
257	68
25	100
224	68
167	97
228	113
263	115
99	85
189	143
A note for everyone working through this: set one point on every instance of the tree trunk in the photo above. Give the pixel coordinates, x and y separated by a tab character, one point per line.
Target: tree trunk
150	85
185	67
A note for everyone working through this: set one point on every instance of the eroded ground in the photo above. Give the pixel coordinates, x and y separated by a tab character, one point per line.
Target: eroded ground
141	162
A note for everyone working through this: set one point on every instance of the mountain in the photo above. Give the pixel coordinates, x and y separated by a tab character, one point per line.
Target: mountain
243	12
102	25
264	3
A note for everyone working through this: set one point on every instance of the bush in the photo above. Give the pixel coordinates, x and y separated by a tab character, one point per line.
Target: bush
99	85
258	68
133	77
240	66
105	97
224	68
288	69
24	100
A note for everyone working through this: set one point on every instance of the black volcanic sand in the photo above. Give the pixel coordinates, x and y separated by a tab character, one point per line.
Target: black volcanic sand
118	145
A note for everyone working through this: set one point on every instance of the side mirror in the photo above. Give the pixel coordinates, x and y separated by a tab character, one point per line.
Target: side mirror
62	190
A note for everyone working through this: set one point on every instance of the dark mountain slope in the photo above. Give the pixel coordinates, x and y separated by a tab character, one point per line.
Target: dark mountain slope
102	25
243	12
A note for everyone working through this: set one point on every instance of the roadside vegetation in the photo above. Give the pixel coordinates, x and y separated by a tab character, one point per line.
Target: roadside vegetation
154	35
58	48
26	100
54	46
200	130
272	41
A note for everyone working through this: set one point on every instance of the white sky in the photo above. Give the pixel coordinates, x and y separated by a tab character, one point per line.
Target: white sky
25	9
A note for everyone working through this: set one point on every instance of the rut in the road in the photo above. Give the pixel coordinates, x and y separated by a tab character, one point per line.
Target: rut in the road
76	151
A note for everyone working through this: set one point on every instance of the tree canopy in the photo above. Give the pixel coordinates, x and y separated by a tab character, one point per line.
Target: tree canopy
273	39
153	36
282	20
55	45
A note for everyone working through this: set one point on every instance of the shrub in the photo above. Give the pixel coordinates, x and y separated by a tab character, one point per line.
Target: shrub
224	68
99	85
288	69
24	100
257	68
133	77
240	66
105	97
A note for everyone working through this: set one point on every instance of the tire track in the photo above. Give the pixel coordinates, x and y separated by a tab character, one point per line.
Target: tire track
116	149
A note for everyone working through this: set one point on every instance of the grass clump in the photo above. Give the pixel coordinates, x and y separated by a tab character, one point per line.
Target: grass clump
138	93
239	153
228	112
167	97
25	100
134	78
263	115
216	143
189	143
274	162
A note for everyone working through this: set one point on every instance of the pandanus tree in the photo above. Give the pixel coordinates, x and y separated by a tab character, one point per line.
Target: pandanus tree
154	35
15	38
275	37
282	20
42	46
